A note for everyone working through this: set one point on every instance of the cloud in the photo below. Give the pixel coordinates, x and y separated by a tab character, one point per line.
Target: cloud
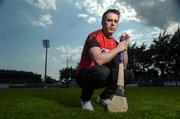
87	17
57	58
44	5
146	37
158	13
43	21
82	15
129	31
94	9
172	28
73	55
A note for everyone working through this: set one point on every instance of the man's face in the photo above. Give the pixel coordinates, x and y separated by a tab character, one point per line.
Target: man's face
110	23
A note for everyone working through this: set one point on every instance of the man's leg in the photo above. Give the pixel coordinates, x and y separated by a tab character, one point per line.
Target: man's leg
112	83
95	77
90	79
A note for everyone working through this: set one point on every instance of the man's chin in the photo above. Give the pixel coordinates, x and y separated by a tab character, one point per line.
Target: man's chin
110	32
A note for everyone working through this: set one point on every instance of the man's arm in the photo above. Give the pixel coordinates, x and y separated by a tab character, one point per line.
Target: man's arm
104	57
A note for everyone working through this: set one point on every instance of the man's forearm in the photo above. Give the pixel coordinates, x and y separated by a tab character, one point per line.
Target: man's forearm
105	57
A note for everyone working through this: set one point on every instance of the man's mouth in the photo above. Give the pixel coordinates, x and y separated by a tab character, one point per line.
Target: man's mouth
112	29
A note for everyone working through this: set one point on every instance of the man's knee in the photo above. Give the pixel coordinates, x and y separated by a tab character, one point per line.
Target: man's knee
103	72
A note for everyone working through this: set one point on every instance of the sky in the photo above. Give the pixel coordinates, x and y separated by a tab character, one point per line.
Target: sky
66	24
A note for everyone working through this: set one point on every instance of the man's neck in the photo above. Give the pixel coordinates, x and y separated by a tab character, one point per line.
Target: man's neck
107	34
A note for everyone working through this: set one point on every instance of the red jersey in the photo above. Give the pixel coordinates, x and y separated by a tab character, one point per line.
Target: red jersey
95	39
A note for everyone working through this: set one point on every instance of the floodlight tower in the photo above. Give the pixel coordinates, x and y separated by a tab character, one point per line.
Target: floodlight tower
46	46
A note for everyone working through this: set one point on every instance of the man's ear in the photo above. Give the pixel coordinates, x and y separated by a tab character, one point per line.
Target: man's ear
102	23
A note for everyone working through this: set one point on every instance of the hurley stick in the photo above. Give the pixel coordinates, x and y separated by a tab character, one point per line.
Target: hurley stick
118	102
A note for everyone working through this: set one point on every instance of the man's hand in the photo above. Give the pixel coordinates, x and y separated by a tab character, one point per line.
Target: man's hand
127	38
121	46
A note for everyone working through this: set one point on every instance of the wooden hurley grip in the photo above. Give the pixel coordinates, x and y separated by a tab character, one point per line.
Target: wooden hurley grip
120	81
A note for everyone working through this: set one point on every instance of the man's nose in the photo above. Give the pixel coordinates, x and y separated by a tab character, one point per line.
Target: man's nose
113	23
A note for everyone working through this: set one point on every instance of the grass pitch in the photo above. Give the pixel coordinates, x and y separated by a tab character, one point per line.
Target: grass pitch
59	103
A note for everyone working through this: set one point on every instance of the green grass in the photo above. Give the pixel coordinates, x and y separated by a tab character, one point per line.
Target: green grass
144	103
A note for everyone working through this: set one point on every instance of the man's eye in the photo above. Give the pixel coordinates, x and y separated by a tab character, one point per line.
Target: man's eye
116	21
110	20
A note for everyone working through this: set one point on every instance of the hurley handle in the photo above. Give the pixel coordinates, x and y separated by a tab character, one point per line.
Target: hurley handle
121	39
120	82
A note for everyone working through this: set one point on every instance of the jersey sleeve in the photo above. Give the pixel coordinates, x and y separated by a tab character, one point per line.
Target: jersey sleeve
94	43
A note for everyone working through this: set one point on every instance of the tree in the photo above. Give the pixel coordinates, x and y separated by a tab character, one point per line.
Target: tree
67	75
139	58
166	55
161	53
50	80
175	53
133	61
19	77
